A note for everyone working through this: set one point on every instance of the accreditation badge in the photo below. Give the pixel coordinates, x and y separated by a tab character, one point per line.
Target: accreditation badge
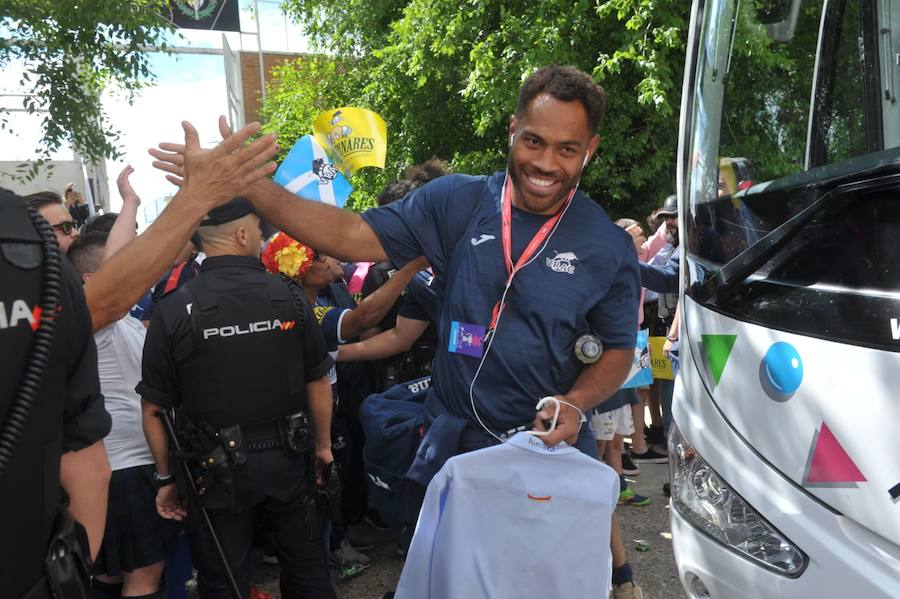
466	339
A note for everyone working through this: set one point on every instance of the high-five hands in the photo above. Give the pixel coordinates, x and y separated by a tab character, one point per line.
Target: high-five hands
216	175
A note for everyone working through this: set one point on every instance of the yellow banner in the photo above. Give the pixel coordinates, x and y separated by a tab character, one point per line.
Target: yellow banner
353	137
662	368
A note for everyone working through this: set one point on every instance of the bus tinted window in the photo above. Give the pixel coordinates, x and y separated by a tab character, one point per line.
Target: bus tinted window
793	100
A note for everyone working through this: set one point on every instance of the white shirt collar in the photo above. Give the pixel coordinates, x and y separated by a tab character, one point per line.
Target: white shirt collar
532	443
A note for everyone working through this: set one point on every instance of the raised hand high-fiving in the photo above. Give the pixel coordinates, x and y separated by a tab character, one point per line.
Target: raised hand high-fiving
216	175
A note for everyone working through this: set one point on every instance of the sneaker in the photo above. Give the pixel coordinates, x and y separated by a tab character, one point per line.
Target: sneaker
651	456
627	590
629	497
362	537
374	519
347	554
272	560
654	435
628	466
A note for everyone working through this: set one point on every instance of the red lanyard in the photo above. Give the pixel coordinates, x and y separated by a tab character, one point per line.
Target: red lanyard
506	236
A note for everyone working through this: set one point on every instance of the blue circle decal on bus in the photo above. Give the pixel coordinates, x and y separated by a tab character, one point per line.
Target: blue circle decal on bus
783	367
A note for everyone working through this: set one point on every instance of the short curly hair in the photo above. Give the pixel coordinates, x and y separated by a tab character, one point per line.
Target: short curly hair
565	83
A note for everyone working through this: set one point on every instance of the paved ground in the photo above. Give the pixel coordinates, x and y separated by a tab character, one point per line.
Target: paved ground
654	570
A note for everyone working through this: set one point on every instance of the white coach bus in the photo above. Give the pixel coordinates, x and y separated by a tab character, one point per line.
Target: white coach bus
785	448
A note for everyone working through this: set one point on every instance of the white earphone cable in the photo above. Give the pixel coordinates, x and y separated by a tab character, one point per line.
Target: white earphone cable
509	282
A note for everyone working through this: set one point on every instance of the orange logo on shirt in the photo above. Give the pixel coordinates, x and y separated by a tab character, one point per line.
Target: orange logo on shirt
287	325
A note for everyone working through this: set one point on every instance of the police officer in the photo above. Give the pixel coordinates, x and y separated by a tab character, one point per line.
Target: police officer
52	416
240	354
52	419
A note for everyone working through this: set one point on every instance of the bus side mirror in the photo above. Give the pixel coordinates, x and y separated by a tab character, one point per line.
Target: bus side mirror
780	18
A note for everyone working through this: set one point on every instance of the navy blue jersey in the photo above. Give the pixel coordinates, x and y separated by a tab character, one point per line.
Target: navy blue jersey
329	319
422	298
585	280
138	310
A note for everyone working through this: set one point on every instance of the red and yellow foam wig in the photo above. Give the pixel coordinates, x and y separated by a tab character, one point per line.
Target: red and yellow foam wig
287	256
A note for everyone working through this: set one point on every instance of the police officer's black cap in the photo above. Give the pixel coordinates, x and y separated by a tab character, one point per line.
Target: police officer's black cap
15	212
669	207
233	210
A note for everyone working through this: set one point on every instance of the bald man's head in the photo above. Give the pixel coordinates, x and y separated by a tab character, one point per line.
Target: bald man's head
239	237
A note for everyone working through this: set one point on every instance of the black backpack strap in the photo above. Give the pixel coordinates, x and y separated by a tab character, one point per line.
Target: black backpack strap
284	289
276	287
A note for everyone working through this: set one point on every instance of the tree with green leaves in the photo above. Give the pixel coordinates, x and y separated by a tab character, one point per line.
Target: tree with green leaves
70	52
445	75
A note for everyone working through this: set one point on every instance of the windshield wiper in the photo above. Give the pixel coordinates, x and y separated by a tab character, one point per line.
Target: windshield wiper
754	257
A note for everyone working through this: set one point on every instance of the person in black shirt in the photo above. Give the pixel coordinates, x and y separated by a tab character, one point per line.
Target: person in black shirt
241	355
76	205
61	445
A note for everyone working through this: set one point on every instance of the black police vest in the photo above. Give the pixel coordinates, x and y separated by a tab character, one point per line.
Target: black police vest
246	366
29	488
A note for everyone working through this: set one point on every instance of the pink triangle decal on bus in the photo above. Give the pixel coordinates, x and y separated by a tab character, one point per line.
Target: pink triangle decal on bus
828	464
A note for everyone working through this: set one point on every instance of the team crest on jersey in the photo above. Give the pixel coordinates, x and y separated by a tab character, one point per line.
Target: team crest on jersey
562	262
320	312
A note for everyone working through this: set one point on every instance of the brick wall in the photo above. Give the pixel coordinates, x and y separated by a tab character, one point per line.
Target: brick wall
250	78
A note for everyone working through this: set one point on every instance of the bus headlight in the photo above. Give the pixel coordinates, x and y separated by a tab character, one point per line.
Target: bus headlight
706	501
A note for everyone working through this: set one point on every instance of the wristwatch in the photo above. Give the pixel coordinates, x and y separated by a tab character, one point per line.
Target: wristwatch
163	480
672	339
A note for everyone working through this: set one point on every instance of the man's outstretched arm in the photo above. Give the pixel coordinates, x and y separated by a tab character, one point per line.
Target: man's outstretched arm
331	230
214	177
386	344
124	229
373	309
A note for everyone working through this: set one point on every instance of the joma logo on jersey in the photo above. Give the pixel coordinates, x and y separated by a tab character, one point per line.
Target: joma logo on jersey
254	327
18	313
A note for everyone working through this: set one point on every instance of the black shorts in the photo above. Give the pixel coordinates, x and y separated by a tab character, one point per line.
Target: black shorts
136	535
658	327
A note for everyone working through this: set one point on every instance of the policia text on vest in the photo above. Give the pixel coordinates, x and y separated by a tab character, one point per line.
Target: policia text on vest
232	351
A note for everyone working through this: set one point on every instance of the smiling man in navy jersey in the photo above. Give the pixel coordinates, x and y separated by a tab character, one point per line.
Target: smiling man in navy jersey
527	264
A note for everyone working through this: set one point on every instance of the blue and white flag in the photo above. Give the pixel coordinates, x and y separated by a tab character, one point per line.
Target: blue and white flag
307	171
641	374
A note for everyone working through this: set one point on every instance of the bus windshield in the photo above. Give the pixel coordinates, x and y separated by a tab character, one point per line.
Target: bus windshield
794	100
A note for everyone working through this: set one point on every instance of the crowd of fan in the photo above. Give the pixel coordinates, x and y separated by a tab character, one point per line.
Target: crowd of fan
140	552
